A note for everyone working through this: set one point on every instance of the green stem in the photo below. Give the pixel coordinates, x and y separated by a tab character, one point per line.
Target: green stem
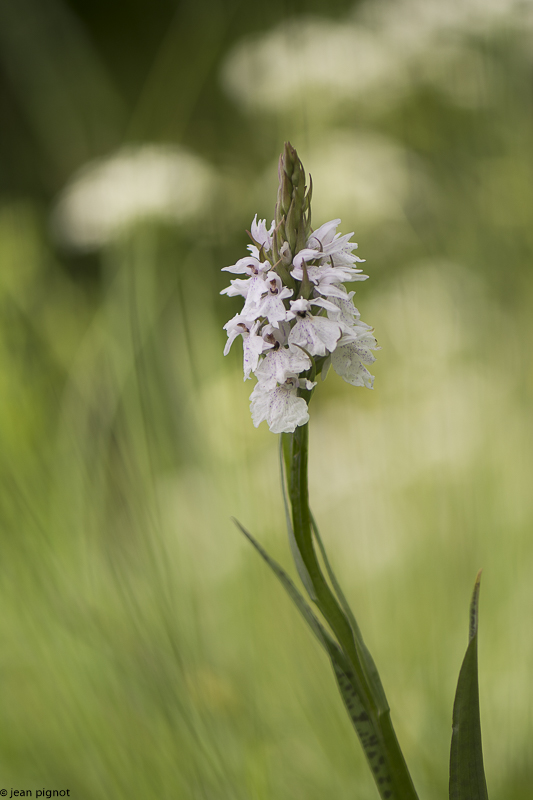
301	518
296	451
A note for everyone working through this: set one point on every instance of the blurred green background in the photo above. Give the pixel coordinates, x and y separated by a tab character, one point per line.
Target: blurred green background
145	651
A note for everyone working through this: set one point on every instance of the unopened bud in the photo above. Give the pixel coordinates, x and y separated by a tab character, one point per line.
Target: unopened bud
285	254
293	206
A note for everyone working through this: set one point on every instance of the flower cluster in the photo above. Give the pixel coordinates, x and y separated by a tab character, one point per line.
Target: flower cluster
298	318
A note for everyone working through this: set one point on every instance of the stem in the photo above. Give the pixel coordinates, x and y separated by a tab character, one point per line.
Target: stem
296	450
301	518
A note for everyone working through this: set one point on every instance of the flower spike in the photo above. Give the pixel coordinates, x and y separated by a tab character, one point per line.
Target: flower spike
288	343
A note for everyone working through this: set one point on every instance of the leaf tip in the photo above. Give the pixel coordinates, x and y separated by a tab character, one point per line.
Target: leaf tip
240	527
474	608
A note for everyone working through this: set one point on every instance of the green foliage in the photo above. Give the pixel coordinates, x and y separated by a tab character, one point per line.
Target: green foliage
467	775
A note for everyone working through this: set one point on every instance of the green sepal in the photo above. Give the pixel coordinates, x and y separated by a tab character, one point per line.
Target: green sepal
467	774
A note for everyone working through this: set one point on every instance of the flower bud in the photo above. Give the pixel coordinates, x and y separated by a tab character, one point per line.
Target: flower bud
293	206
285	254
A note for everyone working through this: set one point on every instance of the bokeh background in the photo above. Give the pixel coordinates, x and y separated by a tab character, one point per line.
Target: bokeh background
145	651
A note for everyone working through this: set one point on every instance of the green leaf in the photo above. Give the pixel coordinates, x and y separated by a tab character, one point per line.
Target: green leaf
305	610
365	657
366	728
467	776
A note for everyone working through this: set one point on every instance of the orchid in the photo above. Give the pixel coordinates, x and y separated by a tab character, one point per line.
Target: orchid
297	321
297	317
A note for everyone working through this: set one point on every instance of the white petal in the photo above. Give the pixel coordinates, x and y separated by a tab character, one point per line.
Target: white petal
253	347
249	266
347	362
344	311
279	364
301	304
307	254
271	304
231	338
327	304
330	290
235	327
324	234
260	234
251	289
316	334
281	408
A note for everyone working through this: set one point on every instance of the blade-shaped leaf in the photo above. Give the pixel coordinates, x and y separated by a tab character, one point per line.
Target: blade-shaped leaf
467	775
305	610
364	654
366	728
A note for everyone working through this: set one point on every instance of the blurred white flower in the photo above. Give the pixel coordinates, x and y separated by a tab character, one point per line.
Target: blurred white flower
112	193
382	51
315	58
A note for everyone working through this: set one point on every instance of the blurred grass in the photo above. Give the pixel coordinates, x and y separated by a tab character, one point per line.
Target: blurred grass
146	651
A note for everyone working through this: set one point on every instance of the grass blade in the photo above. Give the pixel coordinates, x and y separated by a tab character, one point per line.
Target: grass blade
467	775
